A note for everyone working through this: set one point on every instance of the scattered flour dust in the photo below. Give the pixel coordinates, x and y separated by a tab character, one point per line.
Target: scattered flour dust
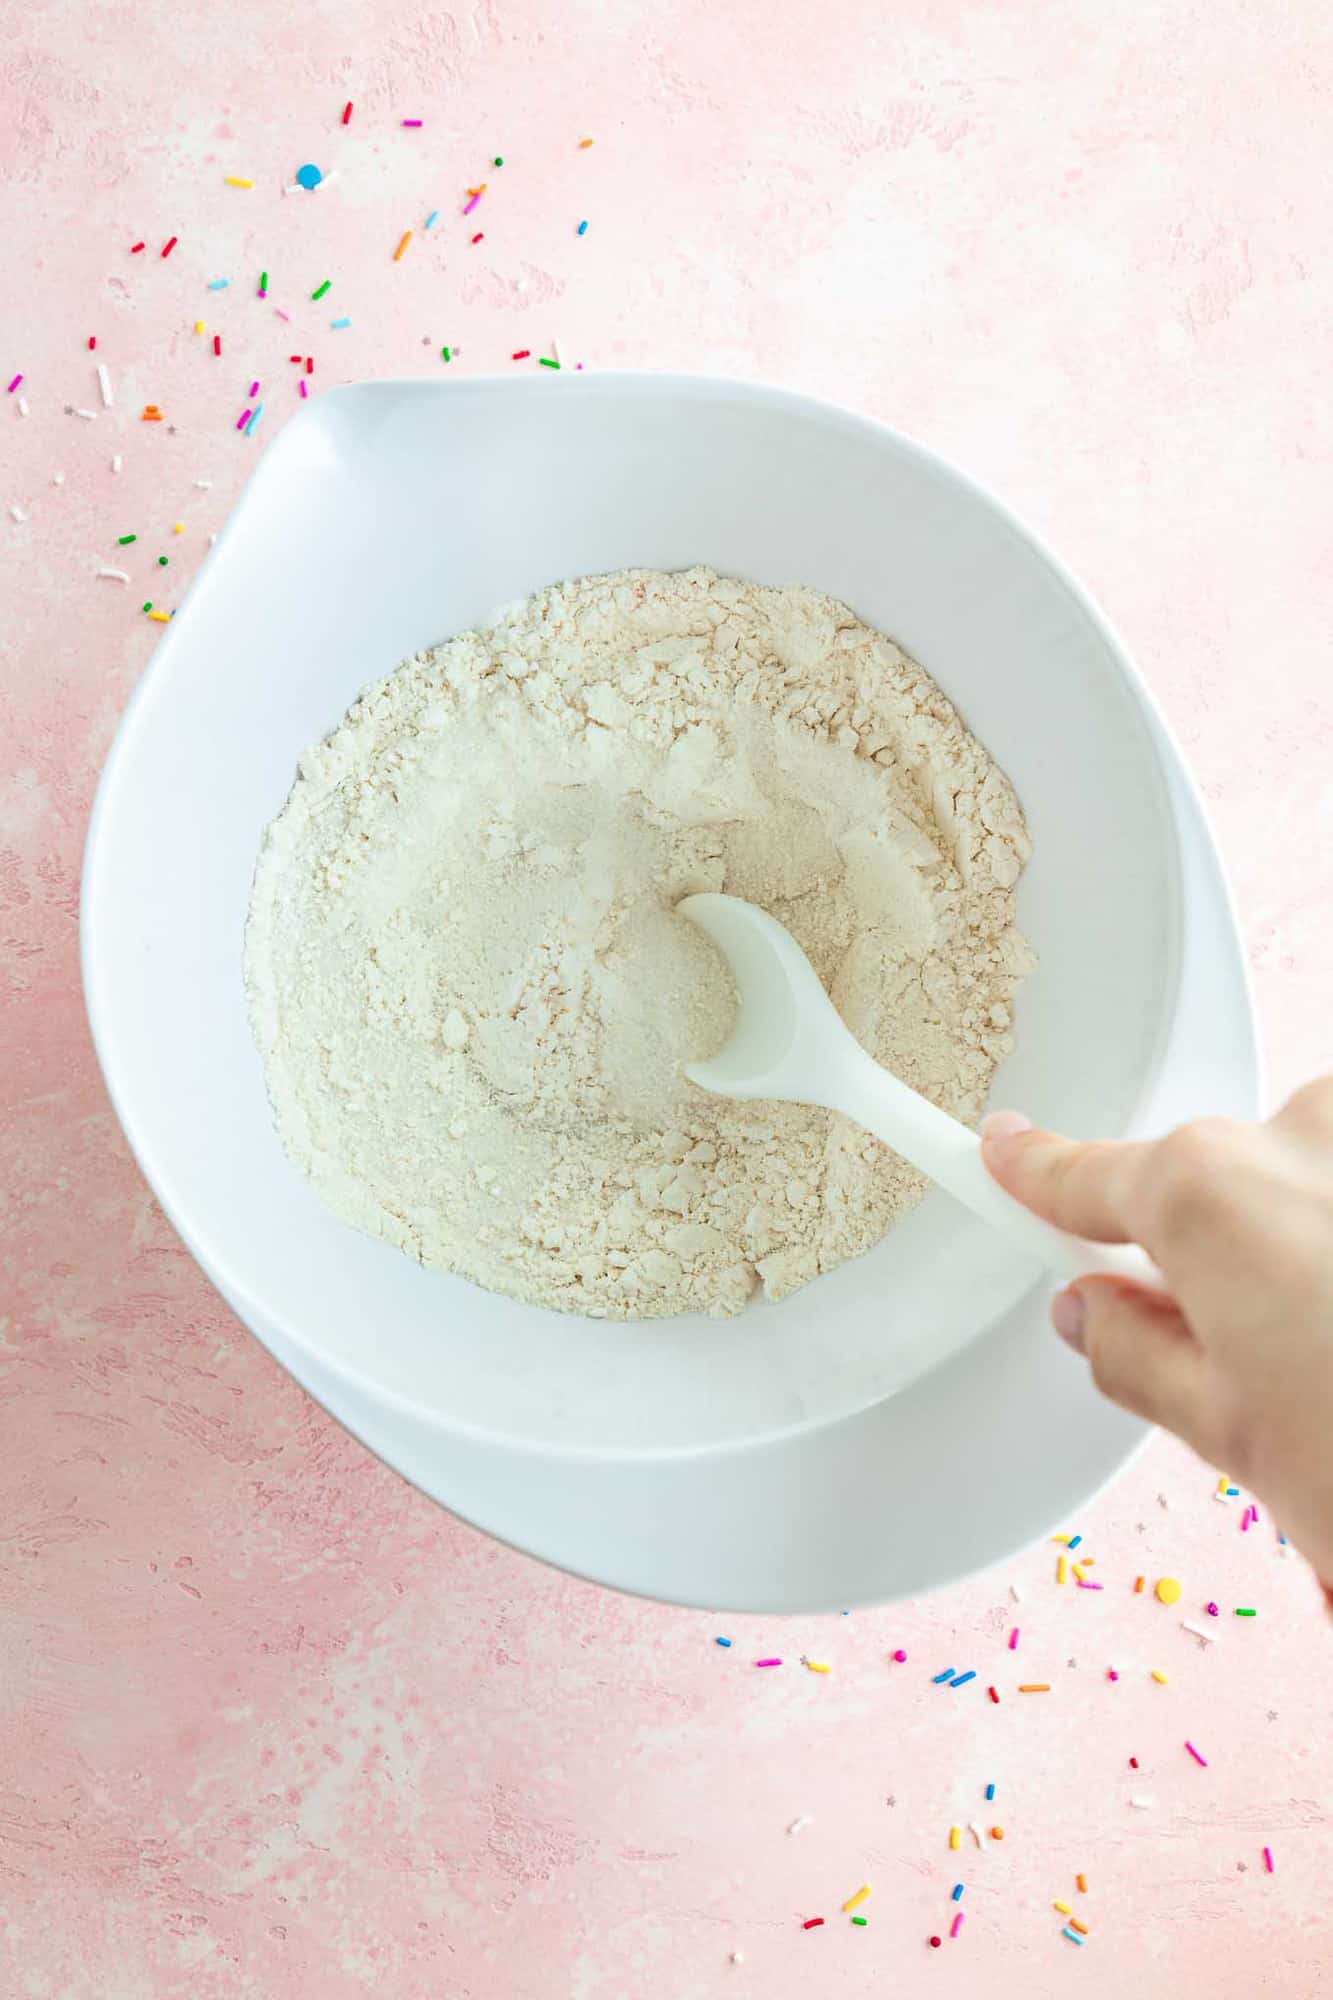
473	999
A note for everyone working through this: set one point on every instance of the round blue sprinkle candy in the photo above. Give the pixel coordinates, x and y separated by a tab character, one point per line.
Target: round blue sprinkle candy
309	176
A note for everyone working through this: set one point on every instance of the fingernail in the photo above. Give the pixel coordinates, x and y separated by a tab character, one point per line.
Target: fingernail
1069	1317
1002	1124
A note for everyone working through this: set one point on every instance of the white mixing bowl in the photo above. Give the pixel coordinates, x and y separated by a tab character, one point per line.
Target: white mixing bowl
388	516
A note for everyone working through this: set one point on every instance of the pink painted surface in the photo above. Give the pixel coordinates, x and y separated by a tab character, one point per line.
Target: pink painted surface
269	1722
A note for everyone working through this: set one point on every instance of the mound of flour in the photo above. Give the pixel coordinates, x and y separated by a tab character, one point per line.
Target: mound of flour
473	998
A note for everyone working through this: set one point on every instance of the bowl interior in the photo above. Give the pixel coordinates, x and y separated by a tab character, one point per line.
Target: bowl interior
385	518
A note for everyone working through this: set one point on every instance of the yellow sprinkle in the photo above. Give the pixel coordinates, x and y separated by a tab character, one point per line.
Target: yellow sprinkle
1223	1484
160	617
1159	1676
1080	1572
1168	1590
179	528
1062	1571
199	326
1065	1909
955	1836
235	181
818	1666
1064	1540
859	1897
403	242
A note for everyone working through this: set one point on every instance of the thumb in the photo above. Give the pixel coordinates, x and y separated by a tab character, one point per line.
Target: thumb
1086	1189
1141	1352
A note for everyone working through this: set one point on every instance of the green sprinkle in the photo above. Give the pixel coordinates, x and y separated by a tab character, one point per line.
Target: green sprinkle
1244	1614
148	604
499	159
163	560
858	1920
322	289
125	540
544	363
263	281
447	353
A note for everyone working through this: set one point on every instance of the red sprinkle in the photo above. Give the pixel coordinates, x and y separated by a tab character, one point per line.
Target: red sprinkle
934	1944
524	354
991	1692
347	114
812	1923
296	357
477	238
217	343
92	341
134	247
170	245
1133	1763
309	365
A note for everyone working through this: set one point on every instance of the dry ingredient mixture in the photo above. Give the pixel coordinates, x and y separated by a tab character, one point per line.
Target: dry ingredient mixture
473	998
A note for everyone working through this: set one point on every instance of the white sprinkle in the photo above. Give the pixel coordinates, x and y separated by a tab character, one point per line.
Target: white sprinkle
1221	1499
1015	1593
738	1958
17	511
555	351
1199	1631
975	1831
23	406
104	384
1144	1805
57	478
806	1819
117	575
116	463
204	485
294	188
89	416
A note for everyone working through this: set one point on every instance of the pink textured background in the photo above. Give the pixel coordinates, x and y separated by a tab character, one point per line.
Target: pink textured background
269	1722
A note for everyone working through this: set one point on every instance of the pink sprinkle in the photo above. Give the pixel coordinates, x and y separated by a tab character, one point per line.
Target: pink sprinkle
13	385
900	1656
1111	1674
1268	1859
1254	1515
243	419
304	390
1212	1610
472	204
1084	1585
956	1925
282	312
1245	1521
1195	1755
1013	1640
254	388
411	121
768	1663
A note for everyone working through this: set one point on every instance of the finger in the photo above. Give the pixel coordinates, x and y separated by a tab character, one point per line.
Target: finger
1142	1354
1085	1189
1309	1111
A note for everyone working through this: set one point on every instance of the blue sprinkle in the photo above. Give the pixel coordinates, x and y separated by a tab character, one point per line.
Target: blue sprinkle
958	1892
258	413
1233	1492
309	176
990	1791
336	323
1074	1541
1283	1540
583	229
721	1642
947	1675
431	219
219	284
963	1679
1072	1934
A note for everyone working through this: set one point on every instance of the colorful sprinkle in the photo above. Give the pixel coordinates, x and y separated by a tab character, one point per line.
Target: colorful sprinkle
1074	1541
1244	1611
413	123
447	354
584	144
1195	1754
812	1923
1111	1674
993	1695
768	1663
263	285
320	290
955	1838
1081	1884
1211	1608
934	1942
1139	1582
1085	1583
13	385
431	219
1268	1860
854	1902
997	1833
1067	1932
963	1679
170	245
957	1892
237	181
304	390
1159	1677
308	176
162	561
125	540
1065	1909
403	242
479	236
338	324
1167	1589
956	1925
1075	1925
990	1792
347	114
243	419
582	229
217	343
858	1920
473	202
134	247
1013	1640
1061	1570
1035	1687
218	284
525	354
721	1642
947	1675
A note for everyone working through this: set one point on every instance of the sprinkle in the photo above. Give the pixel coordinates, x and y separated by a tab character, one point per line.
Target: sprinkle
1075	1925
525	354
584	144
738	1958
1062	1571
1013	1640
125	540
89	416
975	1832
160	617
1081	1884
250	427
1085	1584
310	364
806	1819
1035	1687
163	561
955	1839
308	176
263	285
431	219
1211	1608
1074	1541
1065	1909
1143	1805
1138	1584
956	1925
858	1920
347	114
23	406
1015	1593
282	312
768	1663
147	605
320	290
1073	1935
217	343
117	462
199	326
963	1679
243	419
815	1666
179	527
1243	1611
238	181
499	160
997	1833
1233	1492
403	242
1167	1590
473	202
947	1675
990	1792
1222	1484
17	511
993	1695
478	237
934	1942
338	324
170	245
447	354
254	388
1245	1521
1111	1674
218	284
116	575
414	123
721	1642
134	247
304	390
957	1892
1199	1631
1133	1763
582	229
812	1923
542	362
1159	1676
1268	1860
854	1902
1079	1572
1195	1755
14	385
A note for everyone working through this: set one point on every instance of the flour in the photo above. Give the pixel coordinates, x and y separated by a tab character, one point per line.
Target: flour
474	1001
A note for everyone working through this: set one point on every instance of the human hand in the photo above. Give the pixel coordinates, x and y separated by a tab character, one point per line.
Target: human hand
1239	1218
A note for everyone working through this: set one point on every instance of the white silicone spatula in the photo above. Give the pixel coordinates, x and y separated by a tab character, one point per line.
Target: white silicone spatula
790	1042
